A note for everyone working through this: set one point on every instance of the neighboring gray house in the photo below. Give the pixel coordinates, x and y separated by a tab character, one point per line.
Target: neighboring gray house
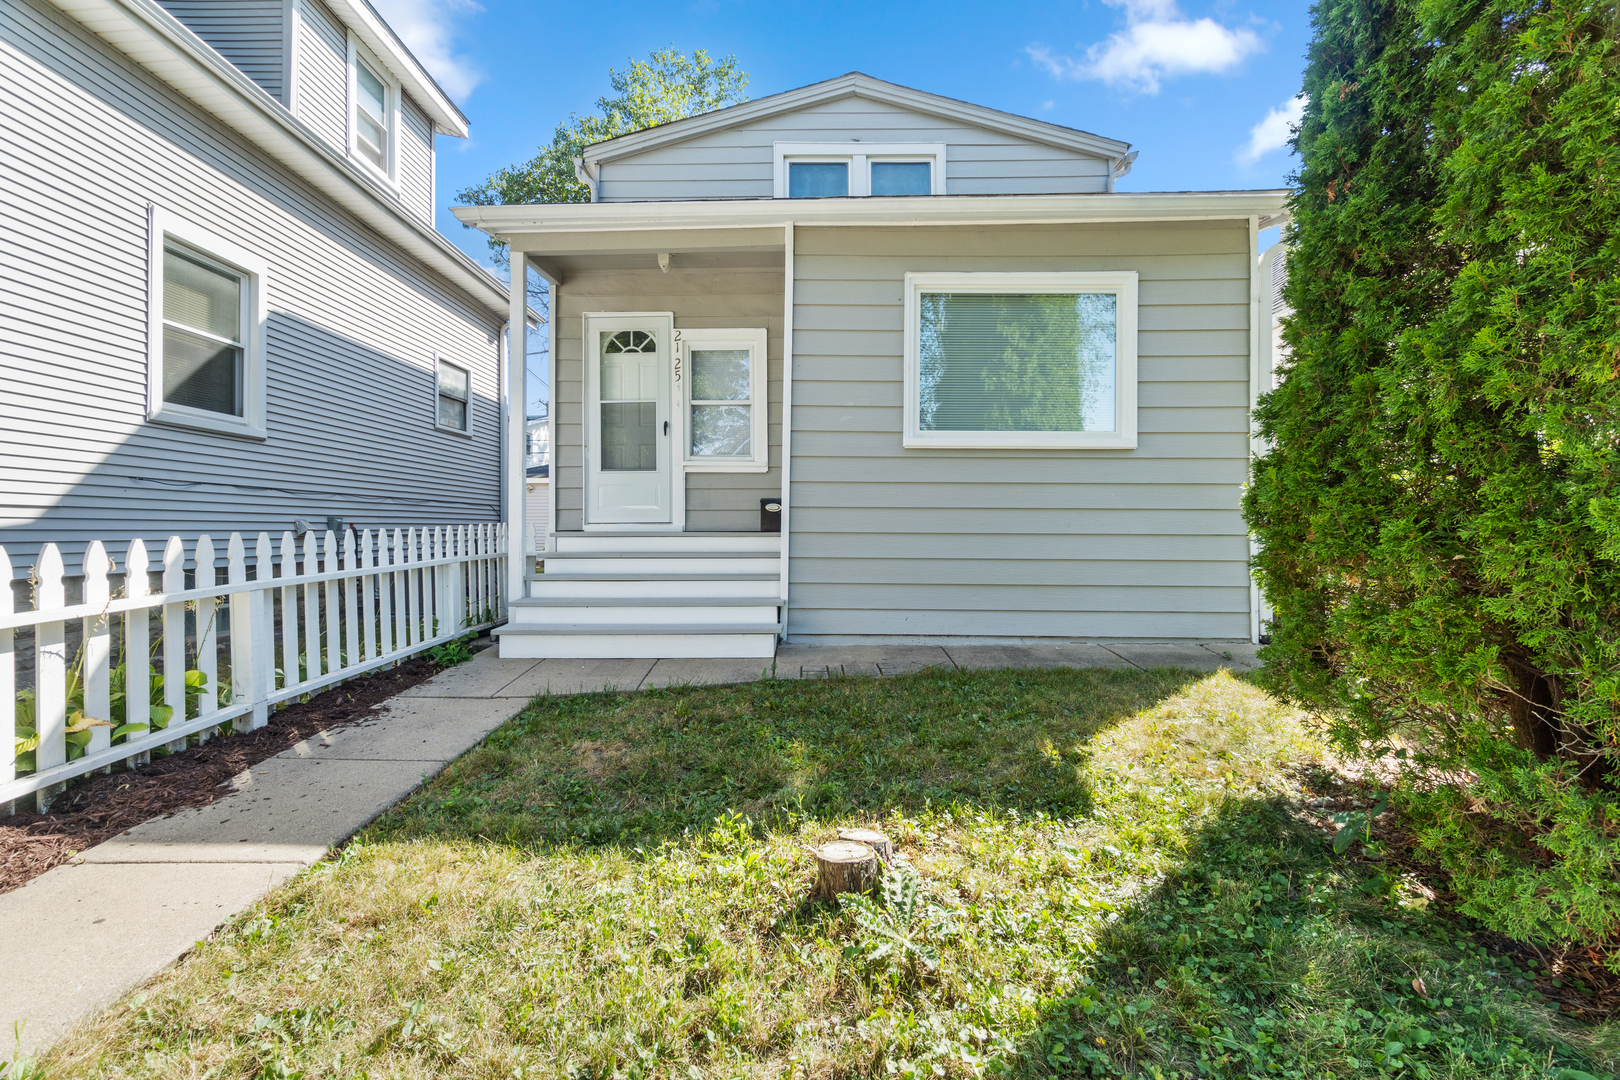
223	303
989	397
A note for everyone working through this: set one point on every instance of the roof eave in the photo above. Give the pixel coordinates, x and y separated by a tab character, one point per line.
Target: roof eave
1268	206
161	44
380	38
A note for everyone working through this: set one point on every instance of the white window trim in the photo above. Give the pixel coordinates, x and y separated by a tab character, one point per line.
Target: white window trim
163	225
753	340
859	156
357	53
440	360
1122	283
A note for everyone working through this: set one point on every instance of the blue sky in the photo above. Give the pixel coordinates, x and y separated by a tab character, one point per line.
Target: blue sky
1188	84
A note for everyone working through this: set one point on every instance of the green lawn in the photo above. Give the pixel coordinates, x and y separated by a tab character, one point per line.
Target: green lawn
1104	879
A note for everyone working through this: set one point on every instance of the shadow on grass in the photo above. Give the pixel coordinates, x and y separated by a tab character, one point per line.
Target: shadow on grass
1267	954
636	768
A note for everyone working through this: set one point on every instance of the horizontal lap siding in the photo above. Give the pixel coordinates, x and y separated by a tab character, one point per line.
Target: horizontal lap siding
351	330
248	33
321	74
1144	543
416	159
737	163
700	299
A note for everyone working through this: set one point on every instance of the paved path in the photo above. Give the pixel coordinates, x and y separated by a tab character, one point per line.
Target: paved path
76	938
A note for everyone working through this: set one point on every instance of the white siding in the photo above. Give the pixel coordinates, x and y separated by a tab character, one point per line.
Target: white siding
248	33
352	329
700	299
737	163
1079	544
416	159
321	74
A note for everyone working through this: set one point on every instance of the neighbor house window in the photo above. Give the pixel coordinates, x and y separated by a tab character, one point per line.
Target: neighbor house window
455	387
721	378
1021	360
835	170
205	340
372	112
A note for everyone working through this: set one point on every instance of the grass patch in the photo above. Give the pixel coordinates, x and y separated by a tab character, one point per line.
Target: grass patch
1108	881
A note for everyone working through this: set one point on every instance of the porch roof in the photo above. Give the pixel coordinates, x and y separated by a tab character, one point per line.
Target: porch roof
756	224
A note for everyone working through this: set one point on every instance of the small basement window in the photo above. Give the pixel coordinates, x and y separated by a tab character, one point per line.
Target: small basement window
1021	360
205	365
724	390
455	394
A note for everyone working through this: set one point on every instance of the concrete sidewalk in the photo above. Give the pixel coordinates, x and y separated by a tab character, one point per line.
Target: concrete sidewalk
77	938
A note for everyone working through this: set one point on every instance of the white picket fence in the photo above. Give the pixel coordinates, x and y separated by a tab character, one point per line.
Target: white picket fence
342	609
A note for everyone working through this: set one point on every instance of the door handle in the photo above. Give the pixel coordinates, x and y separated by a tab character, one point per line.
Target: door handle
666	427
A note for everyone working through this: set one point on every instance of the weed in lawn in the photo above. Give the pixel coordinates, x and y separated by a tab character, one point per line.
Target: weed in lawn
1102	879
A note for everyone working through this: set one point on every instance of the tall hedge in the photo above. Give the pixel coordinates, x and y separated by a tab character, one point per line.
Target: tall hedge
1440	511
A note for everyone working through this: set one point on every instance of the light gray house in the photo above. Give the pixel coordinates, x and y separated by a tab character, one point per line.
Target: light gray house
991	398
223	303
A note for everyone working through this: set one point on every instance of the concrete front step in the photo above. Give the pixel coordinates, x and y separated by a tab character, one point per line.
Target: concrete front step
764	588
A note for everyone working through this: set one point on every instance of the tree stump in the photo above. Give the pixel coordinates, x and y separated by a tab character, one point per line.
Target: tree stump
873	839
843	866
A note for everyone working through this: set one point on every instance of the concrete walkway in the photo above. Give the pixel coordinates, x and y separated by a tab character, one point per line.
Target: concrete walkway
77	938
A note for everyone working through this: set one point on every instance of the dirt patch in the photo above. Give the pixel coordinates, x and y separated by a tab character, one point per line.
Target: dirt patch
97	808
600	760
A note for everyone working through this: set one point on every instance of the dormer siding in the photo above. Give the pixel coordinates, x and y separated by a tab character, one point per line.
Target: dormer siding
249	33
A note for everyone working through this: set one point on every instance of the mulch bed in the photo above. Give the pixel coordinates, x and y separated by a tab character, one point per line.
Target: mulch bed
1576	979
97	807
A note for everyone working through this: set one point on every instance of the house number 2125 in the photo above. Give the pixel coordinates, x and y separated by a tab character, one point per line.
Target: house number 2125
677	356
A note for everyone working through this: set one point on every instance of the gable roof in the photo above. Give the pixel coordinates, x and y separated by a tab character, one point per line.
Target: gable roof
857	84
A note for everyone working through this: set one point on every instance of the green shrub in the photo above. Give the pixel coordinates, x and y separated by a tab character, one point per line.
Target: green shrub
1440	513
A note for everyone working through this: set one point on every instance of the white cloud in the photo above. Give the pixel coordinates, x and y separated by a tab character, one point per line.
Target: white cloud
429	29
1158	42
1274	131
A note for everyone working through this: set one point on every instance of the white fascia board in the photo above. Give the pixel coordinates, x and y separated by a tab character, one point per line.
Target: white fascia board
368	26
161	44
502	221
857	85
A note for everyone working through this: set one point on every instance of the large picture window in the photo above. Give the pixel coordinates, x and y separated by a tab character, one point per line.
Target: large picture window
1021	360
205	361
721	378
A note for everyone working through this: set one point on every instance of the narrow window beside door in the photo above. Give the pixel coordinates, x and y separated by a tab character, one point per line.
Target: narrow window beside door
724	391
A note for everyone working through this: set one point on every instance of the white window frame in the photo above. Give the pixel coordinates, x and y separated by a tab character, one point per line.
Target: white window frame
758	460
358	54
859	156
163	227
1122	284
441	361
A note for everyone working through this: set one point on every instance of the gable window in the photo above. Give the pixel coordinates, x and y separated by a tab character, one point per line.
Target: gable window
205	353
725	406
373	111
455	395
1021	360
836	170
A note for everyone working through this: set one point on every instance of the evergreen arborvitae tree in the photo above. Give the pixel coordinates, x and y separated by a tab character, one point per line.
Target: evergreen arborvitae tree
1440	511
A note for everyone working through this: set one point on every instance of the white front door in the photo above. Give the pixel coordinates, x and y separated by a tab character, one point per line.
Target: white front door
627	419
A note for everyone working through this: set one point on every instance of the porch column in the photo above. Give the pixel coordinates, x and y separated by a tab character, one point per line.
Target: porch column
517	405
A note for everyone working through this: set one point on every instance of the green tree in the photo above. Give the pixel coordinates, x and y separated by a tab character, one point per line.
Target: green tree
1440	514
668	85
